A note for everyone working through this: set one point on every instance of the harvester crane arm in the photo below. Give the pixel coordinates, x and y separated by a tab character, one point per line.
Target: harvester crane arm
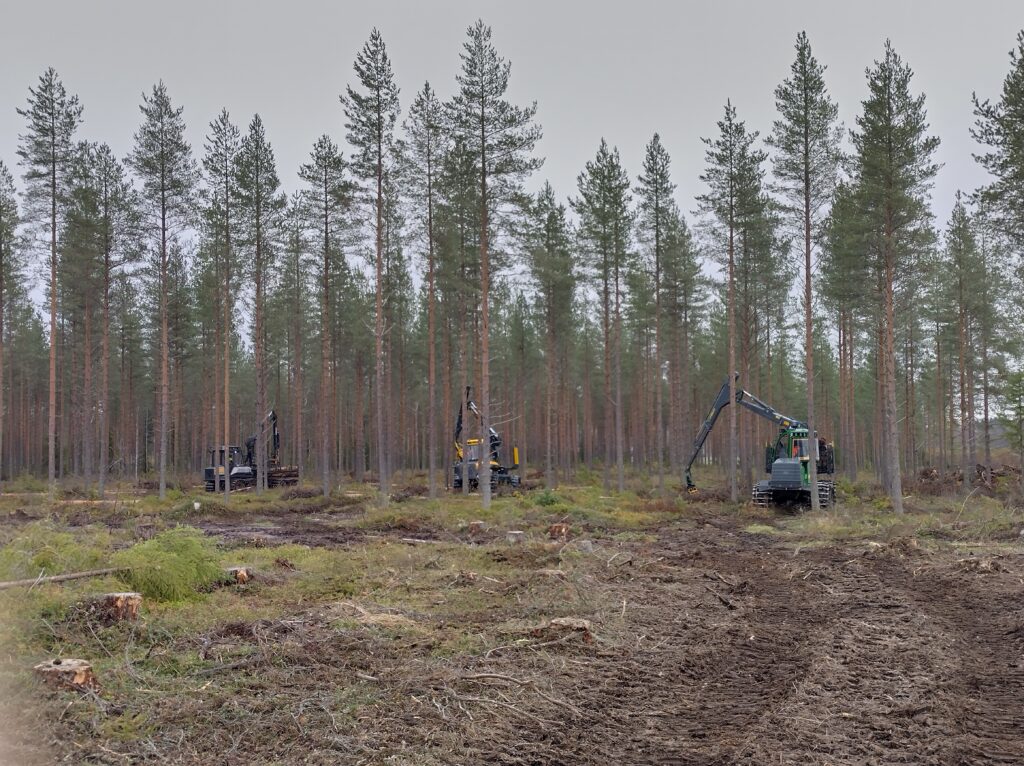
744	398
272	436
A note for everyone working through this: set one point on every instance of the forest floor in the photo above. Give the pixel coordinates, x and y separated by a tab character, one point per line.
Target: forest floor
683	631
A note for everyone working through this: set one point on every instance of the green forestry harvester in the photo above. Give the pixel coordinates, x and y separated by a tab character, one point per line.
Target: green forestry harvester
242	470
787	461
468	455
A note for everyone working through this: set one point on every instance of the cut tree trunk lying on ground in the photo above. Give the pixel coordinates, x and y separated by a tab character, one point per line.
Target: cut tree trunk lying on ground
67	674
59	578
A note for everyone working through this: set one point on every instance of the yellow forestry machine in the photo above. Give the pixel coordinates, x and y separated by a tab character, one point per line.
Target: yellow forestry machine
242	470
468	455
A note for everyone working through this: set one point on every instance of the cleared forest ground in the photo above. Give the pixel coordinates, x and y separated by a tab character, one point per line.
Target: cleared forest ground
658	632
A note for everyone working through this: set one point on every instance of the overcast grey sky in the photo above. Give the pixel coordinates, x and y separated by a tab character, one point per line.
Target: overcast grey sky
618	70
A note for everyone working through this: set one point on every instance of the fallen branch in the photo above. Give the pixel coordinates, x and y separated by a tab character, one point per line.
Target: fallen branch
529	684
59	578
720	597
484	700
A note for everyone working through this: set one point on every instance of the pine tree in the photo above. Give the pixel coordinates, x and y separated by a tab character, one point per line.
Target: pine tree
117	207
9	268
371	116
999	128
325	201
1012	417
894	169
844	285
46	151
683	288
427	145
260	205
806	139
604	229
501	137
656	210
219	166
553	268
732	162
458	268
162	159
961	265
291	309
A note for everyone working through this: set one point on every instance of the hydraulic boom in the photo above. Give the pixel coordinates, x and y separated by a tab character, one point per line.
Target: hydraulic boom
786	460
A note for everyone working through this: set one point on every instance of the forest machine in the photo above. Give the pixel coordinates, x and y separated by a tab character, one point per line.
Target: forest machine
467	457
242	470
786	461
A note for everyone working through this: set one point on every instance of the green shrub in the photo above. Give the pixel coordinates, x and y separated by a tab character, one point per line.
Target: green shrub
26	482
171	566
546	498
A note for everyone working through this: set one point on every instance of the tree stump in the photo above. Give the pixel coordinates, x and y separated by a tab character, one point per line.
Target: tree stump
477	527
115	607
515	537
241	575
558	531
67	674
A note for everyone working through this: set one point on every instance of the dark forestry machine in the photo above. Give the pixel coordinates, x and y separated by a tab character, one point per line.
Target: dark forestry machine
242	469
786	461
467	456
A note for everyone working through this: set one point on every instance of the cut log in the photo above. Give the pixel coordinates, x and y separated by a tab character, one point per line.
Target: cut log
241	575
558	531
59	578
515	537
115	607
67	674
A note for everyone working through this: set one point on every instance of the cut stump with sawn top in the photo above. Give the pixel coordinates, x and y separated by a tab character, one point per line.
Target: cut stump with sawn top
67	674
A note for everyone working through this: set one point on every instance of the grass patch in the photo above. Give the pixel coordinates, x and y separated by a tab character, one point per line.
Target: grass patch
42	548
760	529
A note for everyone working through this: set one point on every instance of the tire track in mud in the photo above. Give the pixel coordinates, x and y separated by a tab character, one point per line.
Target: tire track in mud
985	616
834	657
708	678
877	689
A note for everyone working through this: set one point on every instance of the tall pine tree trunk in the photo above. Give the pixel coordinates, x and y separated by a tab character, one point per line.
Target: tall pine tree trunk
609	400
812	434
659	438
485	328
890	416
431	341
379	381
325	357
165	351
52	413
734	494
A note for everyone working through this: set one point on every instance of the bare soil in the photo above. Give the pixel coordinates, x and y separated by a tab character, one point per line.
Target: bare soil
707	645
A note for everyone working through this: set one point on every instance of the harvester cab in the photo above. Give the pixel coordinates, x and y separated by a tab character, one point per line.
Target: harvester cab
469	454
786	461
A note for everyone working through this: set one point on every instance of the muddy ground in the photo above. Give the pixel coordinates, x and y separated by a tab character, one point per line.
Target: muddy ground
695	643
